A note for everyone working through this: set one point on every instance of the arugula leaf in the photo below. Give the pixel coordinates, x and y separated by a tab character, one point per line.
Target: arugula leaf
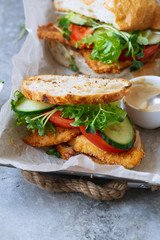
107	48
40	122
17	95
136	65
33	122
72	64
108	42
94	116
37	122
52	151
64	24
50	127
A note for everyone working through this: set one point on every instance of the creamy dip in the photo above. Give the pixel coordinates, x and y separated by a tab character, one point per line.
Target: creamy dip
140	93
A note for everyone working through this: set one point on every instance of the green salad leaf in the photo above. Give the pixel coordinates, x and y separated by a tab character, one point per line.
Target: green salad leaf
93	117
107	48
36	122
33	122
108	42
72	64
1	81
22	33
53	151
17	95
64	24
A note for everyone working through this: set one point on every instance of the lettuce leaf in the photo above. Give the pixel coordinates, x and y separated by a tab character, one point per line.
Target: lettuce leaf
107	48
94	116
108	42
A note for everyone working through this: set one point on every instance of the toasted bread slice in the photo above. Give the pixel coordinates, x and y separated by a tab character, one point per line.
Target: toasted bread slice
62	90
124	15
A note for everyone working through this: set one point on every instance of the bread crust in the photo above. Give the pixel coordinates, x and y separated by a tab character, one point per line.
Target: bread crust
74	89
125	15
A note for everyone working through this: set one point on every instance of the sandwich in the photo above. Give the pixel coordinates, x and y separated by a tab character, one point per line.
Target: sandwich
73	115
102	38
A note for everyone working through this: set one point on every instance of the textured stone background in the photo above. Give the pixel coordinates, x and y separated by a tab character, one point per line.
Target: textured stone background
29	213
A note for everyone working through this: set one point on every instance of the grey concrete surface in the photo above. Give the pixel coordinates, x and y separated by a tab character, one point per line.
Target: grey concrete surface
29	213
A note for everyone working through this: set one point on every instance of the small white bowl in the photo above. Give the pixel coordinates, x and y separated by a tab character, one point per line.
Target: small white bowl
144	119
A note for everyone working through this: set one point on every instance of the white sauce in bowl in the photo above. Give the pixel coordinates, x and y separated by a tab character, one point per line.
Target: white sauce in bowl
140	93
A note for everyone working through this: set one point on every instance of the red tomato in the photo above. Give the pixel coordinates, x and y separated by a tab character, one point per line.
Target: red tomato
80	32
148	51
99	142
62	122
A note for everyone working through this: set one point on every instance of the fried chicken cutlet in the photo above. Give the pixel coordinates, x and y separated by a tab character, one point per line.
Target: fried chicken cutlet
128	159
62	135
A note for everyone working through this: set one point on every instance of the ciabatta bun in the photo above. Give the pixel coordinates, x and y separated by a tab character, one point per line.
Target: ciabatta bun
74	89
59	54
124	15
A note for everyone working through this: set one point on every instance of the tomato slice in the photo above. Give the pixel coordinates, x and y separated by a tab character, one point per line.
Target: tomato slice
80	32
147	50
99	142
59	121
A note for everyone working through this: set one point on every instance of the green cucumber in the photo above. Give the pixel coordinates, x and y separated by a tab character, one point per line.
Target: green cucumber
26	106
78	19
154	38
121	135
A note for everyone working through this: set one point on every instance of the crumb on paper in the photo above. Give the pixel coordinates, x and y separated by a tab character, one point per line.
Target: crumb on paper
22	148
12	142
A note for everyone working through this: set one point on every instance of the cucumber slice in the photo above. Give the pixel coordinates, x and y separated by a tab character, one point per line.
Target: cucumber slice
78	19
26	106
154	38
120	136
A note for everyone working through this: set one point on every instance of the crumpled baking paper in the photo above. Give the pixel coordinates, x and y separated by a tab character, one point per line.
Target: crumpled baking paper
33	59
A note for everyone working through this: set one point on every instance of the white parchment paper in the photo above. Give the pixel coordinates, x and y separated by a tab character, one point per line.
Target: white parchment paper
33	59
